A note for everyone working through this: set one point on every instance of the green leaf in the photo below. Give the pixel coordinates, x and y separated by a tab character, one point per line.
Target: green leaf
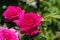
4	25
56	16
42	38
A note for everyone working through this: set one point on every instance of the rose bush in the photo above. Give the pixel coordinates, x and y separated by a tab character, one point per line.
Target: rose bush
12	13
8	34
29	23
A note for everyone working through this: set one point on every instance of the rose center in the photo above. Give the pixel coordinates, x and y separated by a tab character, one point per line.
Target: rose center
28	20
6	36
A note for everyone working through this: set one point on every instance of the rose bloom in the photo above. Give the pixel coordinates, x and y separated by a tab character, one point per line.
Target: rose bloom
8	34
29	24
12	13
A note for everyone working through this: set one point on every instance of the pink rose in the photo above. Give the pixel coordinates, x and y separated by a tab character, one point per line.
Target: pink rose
13	13
29	24
8	34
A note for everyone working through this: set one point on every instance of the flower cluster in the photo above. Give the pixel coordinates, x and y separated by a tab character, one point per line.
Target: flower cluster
27	22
